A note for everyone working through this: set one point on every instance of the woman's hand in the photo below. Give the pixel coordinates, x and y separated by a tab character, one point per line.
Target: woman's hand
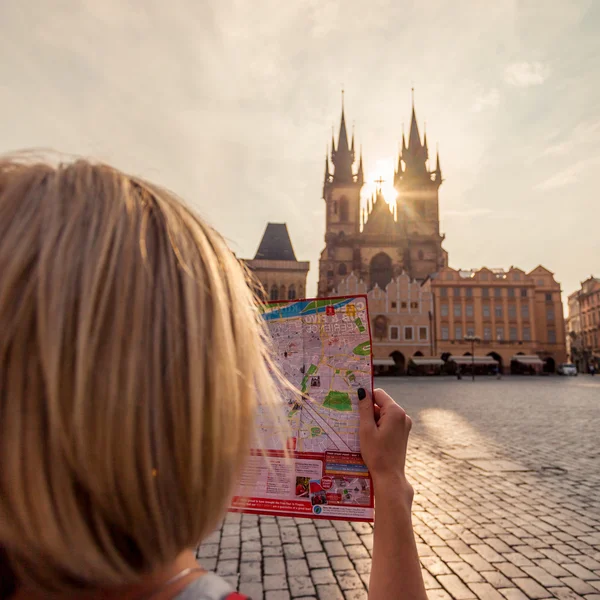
384	431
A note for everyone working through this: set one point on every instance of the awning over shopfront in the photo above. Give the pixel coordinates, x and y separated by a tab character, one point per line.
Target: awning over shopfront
532	361
469	360
427	361
384	362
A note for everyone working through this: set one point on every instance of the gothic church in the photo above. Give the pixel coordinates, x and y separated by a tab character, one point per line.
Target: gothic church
379	241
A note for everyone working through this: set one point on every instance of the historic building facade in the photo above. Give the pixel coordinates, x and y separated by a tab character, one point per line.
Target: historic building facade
380	241
584	325
401	318
517	316
277	273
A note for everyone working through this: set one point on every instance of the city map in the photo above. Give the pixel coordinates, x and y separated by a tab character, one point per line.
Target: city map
323	348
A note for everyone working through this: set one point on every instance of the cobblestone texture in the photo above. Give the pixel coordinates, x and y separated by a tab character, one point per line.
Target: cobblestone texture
507	504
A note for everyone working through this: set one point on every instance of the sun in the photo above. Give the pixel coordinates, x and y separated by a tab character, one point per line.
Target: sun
382	168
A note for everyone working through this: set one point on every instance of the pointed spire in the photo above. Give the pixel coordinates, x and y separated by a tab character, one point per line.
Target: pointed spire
438	168
326	179
360	176
332	142
414	138
404	147
343	157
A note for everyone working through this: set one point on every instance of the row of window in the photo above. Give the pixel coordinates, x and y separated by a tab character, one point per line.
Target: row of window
409	333
279	292
487	334
498	311
511	292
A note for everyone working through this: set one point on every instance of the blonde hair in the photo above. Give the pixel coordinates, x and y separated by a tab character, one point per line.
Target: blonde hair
130	355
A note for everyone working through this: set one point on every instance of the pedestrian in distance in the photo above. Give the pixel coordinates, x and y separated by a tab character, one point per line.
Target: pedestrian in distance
132	359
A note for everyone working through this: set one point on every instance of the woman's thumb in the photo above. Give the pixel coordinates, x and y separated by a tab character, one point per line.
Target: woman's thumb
365	410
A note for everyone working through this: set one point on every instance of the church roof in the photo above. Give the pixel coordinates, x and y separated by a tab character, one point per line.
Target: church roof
275	243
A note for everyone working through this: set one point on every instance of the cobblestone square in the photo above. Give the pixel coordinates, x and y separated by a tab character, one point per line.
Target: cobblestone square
507	503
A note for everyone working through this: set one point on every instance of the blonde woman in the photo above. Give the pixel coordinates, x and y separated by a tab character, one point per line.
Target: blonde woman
131	354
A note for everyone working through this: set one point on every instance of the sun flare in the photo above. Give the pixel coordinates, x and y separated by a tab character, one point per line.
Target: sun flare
381	169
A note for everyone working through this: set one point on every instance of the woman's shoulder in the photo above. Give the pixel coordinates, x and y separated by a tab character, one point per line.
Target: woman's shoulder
210	587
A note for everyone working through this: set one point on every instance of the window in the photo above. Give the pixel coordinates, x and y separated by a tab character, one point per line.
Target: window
443	292
523	292
517	276
550	314
512	333
484	276
471	331
487	333
335	210
497	293
485	292
343	209
342	269
420	255
449	276
444	310
469	292
525	311
511	292
500	333
498	311
457	310
458	333
423	333
445	333
526	334
414	305
552	336
394	333
403	305
394	305
512	311
469	310
274	293
330	274
540	282
486	310
548	297
292	292
408	333
421	207
456	292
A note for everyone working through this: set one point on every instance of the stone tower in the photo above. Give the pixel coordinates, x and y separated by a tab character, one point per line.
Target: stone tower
418	205
341	192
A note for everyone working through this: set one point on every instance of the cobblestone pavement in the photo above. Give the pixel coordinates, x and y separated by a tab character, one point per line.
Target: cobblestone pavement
507	505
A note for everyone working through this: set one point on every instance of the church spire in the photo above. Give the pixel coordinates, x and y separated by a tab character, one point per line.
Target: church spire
326	179
343	157
360	176
438	168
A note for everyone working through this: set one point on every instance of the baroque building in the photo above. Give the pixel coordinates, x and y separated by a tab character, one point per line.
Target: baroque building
517	316
584	325
380	241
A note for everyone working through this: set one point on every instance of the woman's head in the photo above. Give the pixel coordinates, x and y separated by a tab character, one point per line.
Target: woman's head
130	355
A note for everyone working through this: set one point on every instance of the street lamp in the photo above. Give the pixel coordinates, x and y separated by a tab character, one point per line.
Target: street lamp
472	339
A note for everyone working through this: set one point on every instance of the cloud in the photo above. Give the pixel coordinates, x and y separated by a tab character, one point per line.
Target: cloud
486	99
468	212
524	74
569	175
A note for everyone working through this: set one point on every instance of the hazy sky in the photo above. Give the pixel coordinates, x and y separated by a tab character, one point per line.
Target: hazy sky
230	104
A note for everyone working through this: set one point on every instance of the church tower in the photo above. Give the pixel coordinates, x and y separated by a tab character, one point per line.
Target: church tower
418	205
341	192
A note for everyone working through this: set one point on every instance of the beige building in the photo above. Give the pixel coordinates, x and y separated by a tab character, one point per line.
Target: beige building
401	318
587	317
574	338
518	316
278	274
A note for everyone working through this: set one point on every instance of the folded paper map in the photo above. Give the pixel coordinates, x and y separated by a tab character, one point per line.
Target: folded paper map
323	348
